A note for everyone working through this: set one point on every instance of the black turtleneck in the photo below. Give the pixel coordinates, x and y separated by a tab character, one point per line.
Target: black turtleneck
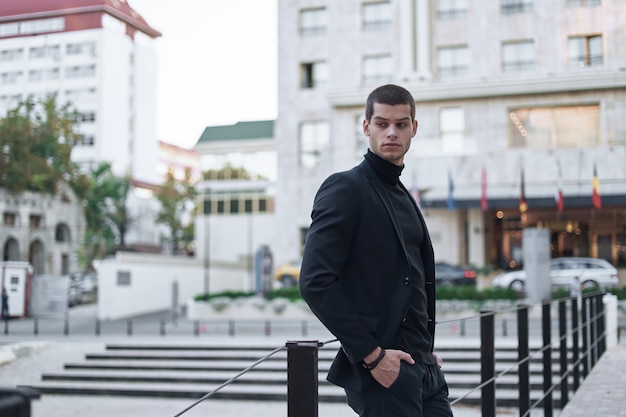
413	336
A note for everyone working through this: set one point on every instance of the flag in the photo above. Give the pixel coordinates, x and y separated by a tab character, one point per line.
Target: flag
560	199
523	206
450	192
483	190
595	194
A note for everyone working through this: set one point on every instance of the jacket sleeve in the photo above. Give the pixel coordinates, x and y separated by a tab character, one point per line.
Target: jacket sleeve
335	217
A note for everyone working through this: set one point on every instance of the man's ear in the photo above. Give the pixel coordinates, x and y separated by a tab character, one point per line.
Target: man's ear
366	127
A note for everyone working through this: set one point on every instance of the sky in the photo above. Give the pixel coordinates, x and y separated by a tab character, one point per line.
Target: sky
216	64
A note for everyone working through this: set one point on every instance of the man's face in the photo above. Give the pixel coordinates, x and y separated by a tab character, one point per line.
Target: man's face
390	131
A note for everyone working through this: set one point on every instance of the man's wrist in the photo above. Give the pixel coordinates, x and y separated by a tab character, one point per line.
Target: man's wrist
373	364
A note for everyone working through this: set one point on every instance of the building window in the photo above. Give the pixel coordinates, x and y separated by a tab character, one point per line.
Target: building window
313	21
80	92
555	127
247	205
453	60
232	202
518	56
84	117
585	51
451	9
377	69
78	71
82	48
62	233
54	24
516	6
452	128
376	15
35	222
11	54
10	77
583	3
45	51
86	140
361	142
313	74
9	219
314	140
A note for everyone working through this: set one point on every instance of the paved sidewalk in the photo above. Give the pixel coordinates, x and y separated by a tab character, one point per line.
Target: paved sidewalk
603	392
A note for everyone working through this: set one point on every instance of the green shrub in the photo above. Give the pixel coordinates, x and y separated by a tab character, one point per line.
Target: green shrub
292	293
467	292
228	294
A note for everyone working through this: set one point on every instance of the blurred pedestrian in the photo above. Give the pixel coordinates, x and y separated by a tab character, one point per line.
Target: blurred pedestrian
5	304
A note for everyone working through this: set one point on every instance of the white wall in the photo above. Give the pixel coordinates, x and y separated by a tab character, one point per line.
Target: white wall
151	281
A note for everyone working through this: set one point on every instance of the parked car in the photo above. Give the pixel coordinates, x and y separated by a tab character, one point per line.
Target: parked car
447	275
288	273
565	272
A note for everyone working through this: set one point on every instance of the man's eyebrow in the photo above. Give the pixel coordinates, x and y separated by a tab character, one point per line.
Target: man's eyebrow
402	119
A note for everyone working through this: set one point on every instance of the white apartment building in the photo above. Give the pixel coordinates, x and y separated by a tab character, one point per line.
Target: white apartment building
97	55
532	93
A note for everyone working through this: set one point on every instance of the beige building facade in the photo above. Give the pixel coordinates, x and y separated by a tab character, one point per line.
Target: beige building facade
511	95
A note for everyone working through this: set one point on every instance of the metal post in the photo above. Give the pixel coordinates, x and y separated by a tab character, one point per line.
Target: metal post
196	328
505	331
585	341
66	326
6	326
162	327
302	379
97	327
305	330
575	343
563	354
487	363
601	324
522	356
593	333
35	327
129	327
268	328
462	328
231	327
547	359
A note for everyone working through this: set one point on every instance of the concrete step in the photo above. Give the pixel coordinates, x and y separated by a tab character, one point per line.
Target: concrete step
191	371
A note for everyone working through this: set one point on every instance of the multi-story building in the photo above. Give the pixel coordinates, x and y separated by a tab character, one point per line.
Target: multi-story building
97	55
513	97
45	230
237	193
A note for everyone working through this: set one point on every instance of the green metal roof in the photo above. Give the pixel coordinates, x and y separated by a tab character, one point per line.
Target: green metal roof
238	131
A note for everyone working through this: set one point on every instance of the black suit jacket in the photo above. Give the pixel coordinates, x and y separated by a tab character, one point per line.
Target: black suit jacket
355	270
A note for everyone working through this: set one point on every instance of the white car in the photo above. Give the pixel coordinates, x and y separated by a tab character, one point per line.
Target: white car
588	272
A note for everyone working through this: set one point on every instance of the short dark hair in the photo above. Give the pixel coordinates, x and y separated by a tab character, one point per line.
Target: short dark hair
389	94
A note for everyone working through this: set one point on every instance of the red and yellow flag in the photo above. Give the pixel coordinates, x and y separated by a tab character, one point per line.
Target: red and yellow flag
596	200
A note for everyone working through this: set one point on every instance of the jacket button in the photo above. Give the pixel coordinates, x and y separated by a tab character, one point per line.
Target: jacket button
407	281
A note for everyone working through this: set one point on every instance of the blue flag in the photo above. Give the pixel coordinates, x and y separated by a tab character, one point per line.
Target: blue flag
450	192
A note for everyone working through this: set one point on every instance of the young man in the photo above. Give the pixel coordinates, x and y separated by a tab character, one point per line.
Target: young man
368	273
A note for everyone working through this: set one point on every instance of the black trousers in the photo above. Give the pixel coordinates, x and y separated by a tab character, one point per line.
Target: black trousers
420	391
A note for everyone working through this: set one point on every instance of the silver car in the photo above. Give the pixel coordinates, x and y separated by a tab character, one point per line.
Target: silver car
588	272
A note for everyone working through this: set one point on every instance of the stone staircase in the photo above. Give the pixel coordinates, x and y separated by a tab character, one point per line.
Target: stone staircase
190	371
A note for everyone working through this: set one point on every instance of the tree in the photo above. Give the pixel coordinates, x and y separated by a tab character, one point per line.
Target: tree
106	213
178	200
36	140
